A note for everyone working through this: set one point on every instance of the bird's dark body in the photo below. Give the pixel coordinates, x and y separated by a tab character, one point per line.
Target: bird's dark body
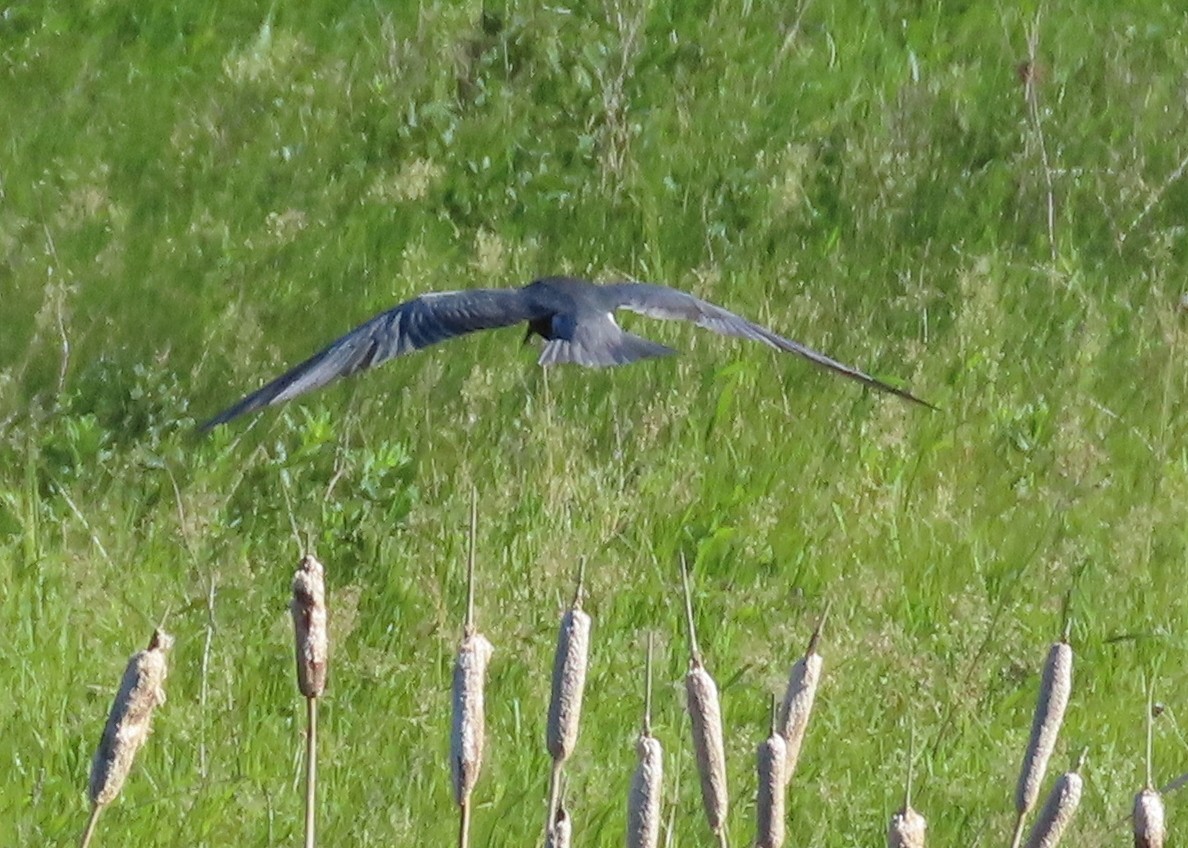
553	296
550	297
574	317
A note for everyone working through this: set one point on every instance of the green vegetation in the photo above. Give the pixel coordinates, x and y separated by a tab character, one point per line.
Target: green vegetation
194	195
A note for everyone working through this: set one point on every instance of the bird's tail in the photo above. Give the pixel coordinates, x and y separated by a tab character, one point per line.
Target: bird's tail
601	345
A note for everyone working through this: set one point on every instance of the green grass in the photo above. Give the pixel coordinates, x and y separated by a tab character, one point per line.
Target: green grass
193	196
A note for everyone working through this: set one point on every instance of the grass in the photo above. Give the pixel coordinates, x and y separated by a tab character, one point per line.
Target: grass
195	196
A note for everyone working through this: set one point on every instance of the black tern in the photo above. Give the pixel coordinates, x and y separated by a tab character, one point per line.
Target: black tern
576	319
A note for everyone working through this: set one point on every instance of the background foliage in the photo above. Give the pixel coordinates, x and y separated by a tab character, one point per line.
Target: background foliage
194	195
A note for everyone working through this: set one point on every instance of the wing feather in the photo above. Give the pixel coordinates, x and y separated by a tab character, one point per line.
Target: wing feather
414	324
670	304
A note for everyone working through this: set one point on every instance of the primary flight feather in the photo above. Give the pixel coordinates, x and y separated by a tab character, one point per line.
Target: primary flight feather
574	317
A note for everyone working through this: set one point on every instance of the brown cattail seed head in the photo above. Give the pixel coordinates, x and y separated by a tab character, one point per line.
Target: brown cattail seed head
569	683
643	802
141	691
309	626
770	761
1150	831
1057	812
1055	686
798	705
469	724
906	830
706	715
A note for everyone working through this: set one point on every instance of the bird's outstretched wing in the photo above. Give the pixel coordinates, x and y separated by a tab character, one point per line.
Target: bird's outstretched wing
418	323
662	302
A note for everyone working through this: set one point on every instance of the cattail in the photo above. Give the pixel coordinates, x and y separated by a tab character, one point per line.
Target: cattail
907	829
907	826
128	724
308	609
1150	829
705	714
569	684
1058	809
309	626
799	697
643	802
469	726
1055	686
468	731
142	690
770	761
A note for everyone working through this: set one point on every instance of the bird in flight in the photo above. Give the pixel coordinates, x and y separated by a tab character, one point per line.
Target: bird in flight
576	319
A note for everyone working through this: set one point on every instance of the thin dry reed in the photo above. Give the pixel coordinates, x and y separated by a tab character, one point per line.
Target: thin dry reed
770	761
1148	816
569	684
468	732
799	697
1058	810
1055	687
312	647
705	714
643	801
907	828
142	690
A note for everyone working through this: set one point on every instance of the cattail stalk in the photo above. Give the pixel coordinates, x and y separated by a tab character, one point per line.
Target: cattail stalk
770	761
142	690
468	730
561	833
1150	828
705	714
311	642
1058	810
569	684
560	830
799	697
907	826
643	801
1055	687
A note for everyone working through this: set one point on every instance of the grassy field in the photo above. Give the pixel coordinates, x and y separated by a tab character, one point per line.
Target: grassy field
973	200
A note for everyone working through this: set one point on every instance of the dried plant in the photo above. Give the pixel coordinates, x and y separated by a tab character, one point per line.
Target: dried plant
312	644
799	697
1148	816
1058	810
569	684
1055	688
643	801
142	690
705	714
560	830
907	827
770	761
468	731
